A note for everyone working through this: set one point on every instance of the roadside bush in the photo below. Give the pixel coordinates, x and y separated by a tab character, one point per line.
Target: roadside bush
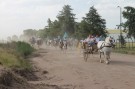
13	54
13	57
24	48
9	59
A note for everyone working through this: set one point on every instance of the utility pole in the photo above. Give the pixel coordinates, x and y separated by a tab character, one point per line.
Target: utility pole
120	25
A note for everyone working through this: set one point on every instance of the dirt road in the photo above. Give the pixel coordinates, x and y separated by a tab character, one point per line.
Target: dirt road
69	70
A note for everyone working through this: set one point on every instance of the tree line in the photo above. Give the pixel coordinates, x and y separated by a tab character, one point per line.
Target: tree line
92	23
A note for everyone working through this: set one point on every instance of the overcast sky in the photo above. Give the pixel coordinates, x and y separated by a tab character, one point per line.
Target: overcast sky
18	15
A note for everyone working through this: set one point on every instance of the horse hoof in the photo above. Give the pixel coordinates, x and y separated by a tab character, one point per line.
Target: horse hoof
107	62
100	61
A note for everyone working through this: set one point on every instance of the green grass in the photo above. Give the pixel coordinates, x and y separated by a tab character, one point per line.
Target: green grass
129	48
14	54
125	50
8	59
127	45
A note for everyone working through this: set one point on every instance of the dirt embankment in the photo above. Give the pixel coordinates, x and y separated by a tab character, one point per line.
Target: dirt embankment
16	78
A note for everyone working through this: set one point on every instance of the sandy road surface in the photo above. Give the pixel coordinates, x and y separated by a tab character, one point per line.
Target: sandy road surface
72	72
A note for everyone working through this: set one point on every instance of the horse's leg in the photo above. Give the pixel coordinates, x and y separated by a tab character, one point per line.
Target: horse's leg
100	57
66	46
91	50
107	58
61	47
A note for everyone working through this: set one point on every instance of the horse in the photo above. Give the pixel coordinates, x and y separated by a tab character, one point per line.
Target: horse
89	47
63	44
32	41
49	42
105	47
55	43
39	42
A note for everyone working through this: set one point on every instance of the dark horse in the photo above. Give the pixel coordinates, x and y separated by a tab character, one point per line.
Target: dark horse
63	45
32	41
39	42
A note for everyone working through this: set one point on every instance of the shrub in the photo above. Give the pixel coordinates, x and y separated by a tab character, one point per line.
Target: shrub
24	48
12	54
8	59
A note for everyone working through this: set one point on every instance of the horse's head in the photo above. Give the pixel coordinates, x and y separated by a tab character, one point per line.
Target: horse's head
111	41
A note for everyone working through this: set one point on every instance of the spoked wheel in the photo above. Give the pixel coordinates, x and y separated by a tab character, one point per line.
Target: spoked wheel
85	55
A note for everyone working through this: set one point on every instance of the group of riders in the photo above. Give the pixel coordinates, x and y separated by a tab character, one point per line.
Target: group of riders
34	40
93	43
62	43
91	40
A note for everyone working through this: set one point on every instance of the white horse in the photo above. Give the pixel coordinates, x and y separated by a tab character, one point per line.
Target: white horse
105	47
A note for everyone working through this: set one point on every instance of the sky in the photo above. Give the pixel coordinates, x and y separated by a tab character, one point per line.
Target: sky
19	15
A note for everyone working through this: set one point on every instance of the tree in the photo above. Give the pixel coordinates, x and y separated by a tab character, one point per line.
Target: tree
129	25
122	40
67	20
41	33
53	29
95	24
83	29
29	32
49	23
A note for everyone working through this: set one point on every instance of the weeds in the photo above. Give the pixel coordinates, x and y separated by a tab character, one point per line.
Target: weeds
125	51
7	78
13	54
24	48
13	57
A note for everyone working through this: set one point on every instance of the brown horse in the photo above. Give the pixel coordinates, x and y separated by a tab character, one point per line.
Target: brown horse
32	41
63	45
39	42
88	49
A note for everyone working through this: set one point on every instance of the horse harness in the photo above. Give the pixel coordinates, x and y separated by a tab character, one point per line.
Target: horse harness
103	45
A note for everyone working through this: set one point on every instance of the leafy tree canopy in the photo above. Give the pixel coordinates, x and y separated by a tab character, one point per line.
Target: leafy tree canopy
129	14
96	25
30	32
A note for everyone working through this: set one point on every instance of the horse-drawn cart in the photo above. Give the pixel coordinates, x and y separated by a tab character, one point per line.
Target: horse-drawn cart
88	49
